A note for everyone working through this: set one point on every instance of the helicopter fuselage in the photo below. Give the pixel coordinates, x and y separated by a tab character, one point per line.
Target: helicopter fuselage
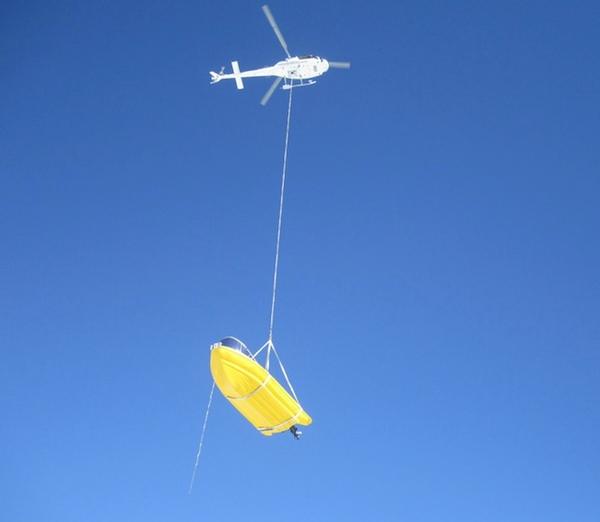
302	67
295	68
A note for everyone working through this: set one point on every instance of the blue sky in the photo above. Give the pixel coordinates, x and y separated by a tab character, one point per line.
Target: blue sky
439	286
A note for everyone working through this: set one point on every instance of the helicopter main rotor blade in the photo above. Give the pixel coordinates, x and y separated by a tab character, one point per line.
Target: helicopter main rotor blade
275	27
265	99
339	65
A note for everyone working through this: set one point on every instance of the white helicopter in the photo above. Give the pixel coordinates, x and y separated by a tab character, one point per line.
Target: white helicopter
300	68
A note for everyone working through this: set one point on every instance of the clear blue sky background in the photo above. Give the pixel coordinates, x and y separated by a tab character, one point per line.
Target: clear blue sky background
439	288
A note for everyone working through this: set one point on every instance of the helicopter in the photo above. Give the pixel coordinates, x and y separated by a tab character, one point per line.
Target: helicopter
299	69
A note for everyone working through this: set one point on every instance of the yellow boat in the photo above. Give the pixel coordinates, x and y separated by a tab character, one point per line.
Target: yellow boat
252	390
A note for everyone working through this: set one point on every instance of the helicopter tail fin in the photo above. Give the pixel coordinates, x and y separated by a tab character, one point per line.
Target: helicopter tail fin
214	77
237	75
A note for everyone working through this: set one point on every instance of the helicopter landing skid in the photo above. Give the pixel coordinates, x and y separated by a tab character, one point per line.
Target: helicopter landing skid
288	86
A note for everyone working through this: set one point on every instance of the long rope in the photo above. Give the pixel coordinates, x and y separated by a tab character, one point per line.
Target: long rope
202	437
283	174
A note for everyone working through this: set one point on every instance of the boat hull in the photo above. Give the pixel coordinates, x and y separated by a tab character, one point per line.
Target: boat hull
254	392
